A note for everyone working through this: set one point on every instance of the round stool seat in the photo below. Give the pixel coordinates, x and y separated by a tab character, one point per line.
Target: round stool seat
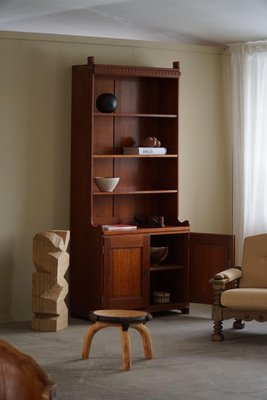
123	317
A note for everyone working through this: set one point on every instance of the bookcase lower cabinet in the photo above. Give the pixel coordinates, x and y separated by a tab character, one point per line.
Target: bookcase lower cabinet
132	282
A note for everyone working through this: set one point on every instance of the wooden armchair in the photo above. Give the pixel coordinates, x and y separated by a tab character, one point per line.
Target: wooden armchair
248	299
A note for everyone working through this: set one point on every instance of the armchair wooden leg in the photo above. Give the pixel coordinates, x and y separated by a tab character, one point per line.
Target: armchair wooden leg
217	335
185	310
239	324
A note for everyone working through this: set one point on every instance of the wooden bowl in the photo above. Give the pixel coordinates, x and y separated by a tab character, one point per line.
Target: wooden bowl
158	254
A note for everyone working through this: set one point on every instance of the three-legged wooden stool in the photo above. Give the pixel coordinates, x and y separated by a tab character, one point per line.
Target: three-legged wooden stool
123	319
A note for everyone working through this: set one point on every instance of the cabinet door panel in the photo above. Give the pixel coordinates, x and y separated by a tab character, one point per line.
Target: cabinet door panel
127	272
126	278
209	254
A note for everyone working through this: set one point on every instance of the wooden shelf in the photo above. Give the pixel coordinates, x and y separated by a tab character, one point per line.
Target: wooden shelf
165	267
135	192
135	156
127	115
152	231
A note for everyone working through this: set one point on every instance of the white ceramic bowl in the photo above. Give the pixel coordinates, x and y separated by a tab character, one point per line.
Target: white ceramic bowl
106	183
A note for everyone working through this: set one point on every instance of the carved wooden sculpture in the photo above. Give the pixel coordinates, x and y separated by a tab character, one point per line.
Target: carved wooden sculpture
49	287
21	378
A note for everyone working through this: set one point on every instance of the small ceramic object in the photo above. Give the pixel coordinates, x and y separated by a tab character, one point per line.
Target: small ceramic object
106	183
151	141
106	103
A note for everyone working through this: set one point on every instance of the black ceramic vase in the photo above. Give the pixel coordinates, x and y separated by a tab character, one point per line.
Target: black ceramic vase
106	103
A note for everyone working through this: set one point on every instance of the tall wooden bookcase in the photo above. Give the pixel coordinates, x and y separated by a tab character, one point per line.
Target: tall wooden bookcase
112	269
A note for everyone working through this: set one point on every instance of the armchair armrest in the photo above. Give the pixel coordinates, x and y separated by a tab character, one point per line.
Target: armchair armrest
230	274
220	280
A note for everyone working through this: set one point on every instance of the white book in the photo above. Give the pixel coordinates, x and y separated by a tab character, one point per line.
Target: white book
144	150
119	227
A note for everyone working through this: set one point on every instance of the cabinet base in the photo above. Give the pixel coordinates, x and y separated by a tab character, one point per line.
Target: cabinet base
183	307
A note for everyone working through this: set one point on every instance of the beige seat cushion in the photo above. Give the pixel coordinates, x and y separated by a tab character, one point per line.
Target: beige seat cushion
245	299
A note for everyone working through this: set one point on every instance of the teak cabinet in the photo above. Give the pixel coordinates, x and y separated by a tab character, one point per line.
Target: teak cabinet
112	269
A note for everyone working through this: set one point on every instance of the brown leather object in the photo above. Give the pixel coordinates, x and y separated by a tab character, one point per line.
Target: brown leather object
21	377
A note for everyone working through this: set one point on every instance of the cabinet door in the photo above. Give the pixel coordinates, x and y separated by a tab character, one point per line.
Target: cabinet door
126	271
209	254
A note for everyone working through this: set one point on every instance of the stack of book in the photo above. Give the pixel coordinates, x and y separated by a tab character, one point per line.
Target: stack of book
144	150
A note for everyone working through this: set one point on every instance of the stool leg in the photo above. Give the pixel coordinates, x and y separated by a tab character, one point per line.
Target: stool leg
146	338
89	337
126	349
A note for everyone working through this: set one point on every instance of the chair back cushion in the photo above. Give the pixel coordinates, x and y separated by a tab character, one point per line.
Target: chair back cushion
254	262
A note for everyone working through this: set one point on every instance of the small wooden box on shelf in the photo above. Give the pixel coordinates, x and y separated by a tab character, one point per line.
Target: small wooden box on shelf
112	268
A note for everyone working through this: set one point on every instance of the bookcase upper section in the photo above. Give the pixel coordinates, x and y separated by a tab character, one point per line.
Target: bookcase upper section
147	106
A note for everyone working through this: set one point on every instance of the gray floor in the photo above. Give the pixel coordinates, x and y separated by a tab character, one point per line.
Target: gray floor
186	364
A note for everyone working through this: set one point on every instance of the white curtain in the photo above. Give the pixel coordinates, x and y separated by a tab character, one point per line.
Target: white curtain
249	124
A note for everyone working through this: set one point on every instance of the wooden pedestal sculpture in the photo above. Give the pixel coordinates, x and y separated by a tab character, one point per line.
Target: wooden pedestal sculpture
49	287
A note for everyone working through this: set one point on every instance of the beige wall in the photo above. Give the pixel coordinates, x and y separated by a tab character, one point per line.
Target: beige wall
35	100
